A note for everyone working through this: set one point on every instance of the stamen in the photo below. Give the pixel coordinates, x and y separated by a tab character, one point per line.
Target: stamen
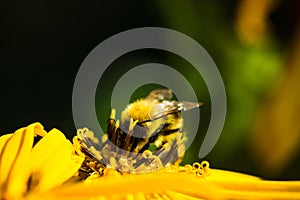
132	124
199	169
117	123
147	154
104	138
113	114
196	166
113	162
205	167
77	146
95	153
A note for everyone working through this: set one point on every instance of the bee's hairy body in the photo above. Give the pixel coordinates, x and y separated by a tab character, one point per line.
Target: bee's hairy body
148	137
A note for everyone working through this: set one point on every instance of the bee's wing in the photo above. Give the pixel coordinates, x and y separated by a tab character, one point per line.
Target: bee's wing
168	107
160	94
186	105
165	107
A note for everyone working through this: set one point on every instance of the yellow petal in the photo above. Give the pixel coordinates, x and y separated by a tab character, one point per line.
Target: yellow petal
219	175
147	184
221	185
14	157
180	196
3	143
3	140
53	161
242	186
9	153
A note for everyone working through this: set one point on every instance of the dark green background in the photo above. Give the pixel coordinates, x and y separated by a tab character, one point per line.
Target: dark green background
43	44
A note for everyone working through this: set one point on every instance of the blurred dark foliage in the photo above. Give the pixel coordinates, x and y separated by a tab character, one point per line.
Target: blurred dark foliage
43	43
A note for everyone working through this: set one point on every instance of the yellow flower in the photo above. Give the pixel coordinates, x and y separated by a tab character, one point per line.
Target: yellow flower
26	168
178	183
38	173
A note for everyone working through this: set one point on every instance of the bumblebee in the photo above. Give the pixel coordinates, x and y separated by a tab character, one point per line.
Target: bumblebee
148	137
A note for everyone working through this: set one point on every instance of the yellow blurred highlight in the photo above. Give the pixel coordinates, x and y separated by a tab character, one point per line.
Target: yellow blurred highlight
276	136
251	23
